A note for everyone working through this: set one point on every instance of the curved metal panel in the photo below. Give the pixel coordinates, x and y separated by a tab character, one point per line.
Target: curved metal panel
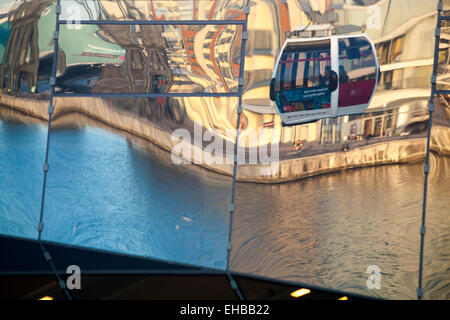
101	58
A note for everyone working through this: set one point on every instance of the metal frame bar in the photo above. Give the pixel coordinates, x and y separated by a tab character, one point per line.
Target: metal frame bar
47	256
155	22
426	169
443	92
236	145
146	95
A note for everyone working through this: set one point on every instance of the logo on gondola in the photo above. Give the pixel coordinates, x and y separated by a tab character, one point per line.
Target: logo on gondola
355	92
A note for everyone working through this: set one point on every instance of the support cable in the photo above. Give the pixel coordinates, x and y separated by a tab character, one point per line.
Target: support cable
427	156
45	253
54	94
236	146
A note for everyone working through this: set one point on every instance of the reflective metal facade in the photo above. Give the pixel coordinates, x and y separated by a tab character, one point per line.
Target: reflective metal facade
101	59
205	59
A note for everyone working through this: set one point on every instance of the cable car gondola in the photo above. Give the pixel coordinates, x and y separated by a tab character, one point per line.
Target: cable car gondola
324	77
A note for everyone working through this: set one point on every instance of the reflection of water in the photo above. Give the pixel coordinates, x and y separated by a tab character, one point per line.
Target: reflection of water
107	193
22	149
327	230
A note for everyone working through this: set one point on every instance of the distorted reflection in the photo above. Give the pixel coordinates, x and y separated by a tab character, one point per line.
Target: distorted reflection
112	174
108	58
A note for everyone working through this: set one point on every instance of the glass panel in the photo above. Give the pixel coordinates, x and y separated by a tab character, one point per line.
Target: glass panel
149	59
383	52
22	150
110	190
26	48
397	49
328	230
357	74
303	74
152	10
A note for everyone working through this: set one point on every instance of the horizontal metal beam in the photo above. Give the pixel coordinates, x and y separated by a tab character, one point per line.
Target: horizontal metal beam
442	92
154	22
146	95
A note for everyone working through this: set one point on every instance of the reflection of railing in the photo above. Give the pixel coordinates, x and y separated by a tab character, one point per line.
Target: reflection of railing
384	124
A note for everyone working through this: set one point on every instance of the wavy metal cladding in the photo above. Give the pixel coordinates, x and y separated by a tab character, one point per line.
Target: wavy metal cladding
101	58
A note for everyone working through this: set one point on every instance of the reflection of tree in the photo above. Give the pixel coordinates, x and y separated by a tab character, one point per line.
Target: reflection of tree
21	57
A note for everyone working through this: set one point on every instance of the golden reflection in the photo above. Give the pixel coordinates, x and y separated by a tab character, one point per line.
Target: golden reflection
206	59
300	292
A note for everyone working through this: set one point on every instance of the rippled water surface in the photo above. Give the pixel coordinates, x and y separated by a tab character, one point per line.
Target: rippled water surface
329	229
110	191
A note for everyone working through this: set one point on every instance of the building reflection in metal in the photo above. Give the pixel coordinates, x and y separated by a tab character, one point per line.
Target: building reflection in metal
205	59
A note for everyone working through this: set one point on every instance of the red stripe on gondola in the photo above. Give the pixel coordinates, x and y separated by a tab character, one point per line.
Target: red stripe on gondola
321	59
301	60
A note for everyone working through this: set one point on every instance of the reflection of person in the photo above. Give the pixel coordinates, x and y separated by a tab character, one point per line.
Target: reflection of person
325	79
343	76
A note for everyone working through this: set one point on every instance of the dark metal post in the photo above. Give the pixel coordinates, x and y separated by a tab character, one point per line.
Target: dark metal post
236	145
45	253
427	157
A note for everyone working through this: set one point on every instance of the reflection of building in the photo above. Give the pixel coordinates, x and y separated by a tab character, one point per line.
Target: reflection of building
405	54
20	63
206	59
443	76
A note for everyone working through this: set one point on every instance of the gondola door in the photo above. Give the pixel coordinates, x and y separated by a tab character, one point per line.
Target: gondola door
305	80
358	74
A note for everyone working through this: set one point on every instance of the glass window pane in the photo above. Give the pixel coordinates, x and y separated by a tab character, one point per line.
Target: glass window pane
148	59
304	69
357	74
113	191
22	150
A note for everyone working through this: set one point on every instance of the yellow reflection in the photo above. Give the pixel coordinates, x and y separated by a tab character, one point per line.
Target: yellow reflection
343	298
300	292
46	298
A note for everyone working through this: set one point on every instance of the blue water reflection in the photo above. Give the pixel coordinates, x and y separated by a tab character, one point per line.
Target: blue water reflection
22	150
108	192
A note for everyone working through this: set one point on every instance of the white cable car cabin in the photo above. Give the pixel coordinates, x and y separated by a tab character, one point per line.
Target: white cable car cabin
316	78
